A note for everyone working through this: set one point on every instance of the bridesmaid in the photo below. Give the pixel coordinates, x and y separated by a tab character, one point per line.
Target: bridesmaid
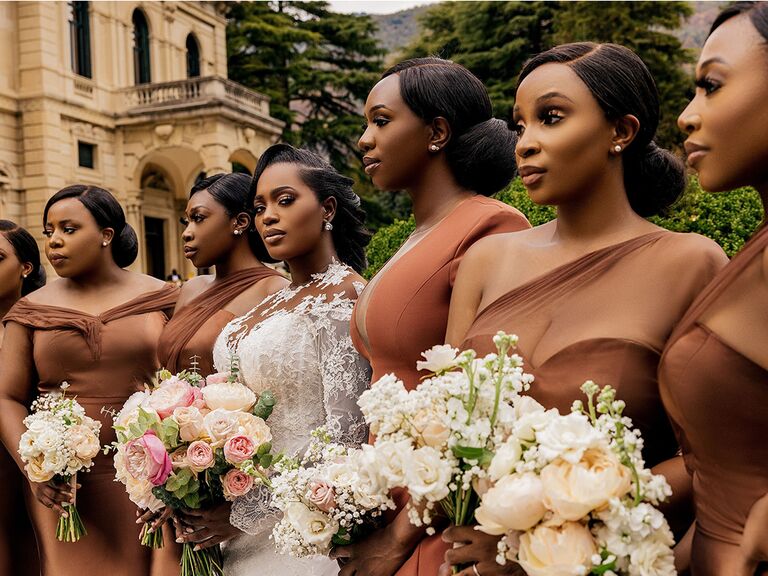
97	328
714	372
430	132
595	293
20	274
219	233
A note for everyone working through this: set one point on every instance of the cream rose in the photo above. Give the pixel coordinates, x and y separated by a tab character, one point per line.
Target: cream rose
438	358
568	437
572	491
171	394
565	550
514	503
507	455
427	474
190	421
36	471
528	426
219	425
83	441
389	460
253	427
130	410
229	396
316	528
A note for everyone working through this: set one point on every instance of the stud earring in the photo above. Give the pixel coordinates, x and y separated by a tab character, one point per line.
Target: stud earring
104	243
24	276
237	232
327	225
617	148
434	147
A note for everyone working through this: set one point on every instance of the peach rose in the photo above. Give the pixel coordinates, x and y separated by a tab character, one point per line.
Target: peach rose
238	449
190	421
565	550
171	394
200	456
321	494
236	483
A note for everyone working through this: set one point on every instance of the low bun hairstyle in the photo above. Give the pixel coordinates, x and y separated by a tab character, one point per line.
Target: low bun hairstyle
758	16
350	236
621	83
108	213
481	151
232	192
26	251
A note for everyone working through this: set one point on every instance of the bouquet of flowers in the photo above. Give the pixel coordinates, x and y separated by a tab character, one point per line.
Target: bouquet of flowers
438	439
331	497
59	442
571	494
193	442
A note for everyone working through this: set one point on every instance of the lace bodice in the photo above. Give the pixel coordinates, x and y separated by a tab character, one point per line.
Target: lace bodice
296	343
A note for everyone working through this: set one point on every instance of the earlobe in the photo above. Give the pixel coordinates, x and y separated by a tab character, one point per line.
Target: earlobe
441	134
626	130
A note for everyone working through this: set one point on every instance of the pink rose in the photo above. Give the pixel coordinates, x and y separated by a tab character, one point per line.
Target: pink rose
236	483
321	494
171	394
147	459
200	456
198	401
238	449
218	378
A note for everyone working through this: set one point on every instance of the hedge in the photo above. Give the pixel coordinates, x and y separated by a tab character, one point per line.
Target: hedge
729	218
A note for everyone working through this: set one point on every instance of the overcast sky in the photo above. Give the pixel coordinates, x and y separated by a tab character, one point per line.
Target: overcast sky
376	6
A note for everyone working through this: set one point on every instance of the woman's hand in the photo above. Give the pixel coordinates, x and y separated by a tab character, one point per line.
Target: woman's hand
155	520
204	528
754	540
381	554
54	495
478	551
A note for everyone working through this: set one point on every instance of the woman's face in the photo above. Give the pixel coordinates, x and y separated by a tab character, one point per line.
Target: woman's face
396	141
209	235
12	270
288	215
727	120
564	138
74	238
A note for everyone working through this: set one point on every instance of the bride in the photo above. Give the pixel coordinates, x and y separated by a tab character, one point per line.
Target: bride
295	343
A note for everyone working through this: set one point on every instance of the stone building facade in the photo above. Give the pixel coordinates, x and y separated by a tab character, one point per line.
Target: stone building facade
129	96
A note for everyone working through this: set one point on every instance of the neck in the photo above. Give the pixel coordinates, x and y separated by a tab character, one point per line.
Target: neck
435	195
239	258
105	275
303	267
7	302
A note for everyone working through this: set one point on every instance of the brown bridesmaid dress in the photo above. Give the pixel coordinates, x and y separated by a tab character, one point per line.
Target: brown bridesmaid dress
104	358
194	328
717	399
605	317
406	312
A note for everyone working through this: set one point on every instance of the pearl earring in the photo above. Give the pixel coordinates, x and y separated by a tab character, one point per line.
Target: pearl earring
237	232
434	147
617	148
24	276
327	225
104	243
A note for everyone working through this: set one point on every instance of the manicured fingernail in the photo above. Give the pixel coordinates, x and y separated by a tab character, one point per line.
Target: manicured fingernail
179	540
138	520
65	515
150	530
196	548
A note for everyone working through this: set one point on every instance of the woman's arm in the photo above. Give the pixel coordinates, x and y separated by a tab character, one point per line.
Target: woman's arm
467	293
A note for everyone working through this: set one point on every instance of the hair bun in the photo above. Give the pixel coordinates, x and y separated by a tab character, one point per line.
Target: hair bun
655	179
483	157
125	246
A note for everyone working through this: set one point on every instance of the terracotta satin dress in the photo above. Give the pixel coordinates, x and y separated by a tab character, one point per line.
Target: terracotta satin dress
194	328
407	312
605	317
104	358
717	399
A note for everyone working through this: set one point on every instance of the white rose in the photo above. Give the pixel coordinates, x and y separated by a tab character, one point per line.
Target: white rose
565	550
507	455
220	425
438	358
130	411
427	475
370	489
190	421
572	491
253	427
526	405
527	427
83	442
390	457
315	528
55	462
48	440
568	436
652	558
229	396
514	503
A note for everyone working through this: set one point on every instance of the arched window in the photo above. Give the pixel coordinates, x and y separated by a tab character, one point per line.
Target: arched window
141	70
193	57
80	38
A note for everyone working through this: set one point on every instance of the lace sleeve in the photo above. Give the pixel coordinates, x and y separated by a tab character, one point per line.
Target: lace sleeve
345	375
253	513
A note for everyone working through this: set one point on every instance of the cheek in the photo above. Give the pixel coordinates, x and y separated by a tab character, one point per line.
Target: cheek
10	277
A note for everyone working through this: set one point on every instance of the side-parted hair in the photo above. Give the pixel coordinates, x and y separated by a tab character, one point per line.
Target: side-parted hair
481	151
757	11
621	83
350	236
108	213
26	251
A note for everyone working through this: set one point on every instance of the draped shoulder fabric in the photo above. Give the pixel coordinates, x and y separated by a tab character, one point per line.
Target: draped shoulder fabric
104	358
717	399
194	328
407	313
605	317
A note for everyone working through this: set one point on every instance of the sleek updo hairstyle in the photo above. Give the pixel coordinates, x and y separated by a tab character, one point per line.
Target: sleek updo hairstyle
481	151
622	84
350	236
231	191
27	252
758	15
108	213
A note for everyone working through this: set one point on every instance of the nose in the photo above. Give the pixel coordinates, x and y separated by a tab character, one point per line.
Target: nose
365	142
55	240
689	120
186	235
269	216
527	144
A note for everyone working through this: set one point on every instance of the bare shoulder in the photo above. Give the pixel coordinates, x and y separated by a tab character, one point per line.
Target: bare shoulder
683	246
192	288
490	249
50	294
255	294
141	283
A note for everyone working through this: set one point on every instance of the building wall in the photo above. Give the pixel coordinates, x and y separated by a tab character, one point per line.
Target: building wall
174	127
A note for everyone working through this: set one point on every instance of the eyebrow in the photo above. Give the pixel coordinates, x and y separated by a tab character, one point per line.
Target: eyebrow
378	107
709	61
276	191
543	98
63	222
198	207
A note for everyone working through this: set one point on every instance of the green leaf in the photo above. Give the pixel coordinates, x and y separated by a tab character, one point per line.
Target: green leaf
264	449
266	460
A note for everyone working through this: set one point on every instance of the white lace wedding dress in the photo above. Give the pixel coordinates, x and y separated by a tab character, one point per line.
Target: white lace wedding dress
298	346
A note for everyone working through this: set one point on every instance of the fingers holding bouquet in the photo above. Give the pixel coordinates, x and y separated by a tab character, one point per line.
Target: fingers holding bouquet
206	527
54	494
